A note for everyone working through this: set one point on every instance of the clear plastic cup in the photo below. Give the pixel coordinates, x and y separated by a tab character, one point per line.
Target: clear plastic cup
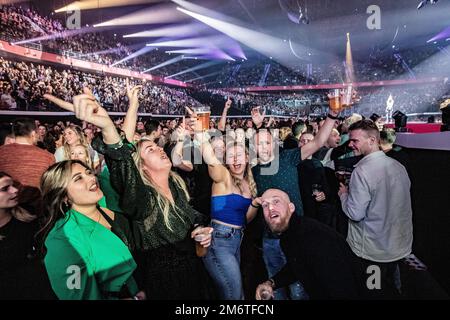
199	249
203	114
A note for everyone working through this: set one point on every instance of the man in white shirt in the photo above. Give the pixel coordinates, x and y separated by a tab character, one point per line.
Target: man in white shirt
378	204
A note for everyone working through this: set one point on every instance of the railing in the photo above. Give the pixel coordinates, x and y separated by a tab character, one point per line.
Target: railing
30	45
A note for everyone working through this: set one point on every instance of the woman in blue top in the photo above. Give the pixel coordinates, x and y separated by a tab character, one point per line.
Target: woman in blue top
233	204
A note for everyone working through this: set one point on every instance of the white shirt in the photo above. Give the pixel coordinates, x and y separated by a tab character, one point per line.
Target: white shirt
379	207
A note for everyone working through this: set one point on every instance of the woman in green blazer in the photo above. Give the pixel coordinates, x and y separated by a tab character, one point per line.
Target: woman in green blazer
87	249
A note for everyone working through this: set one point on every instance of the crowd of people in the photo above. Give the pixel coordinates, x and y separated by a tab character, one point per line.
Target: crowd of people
187	207
23	85
173	199
19	24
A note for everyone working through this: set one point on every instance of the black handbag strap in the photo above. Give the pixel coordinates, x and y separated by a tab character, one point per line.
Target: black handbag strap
115	228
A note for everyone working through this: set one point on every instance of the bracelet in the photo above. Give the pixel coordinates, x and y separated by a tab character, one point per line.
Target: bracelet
115	146
332	117
272	282
256	207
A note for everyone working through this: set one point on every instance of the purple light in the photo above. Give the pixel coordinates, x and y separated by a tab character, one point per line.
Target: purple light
141	51
233	48
64	34
441	35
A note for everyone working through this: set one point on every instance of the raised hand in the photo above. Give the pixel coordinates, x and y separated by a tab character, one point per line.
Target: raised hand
192	122
85	107
180	132
133	94
257	117
228	104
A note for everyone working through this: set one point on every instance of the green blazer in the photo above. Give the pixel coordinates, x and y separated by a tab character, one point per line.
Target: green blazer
86	261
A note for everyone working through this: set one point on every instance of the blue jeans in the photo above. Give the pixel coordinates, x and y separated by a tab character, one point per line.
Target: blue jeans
223	261
274	260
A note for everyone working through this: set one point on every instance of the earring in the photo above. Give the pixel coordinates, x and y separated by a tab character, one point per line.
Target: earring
67	204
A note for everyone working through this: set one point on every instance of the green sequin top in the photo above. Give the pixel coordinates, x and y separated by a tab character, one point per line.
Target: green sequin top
138	201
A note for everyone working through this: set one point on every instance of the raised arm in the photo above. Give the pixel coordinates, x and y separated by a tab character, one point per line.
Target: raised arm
223	120
177	153
125	177
257	117
129	124
321	137
86	108
217	171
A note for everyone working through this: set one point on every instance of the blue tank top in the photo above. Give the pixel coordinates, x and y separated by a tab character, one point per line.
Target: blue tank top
230	208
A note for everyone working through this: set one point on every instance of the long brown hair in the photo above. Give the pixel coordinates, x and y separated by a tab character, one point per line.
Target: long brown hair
54	183
17	212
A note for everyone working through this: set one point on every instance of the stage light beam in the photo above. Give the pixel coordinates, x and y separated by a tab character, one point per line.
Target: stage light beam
165	63
138	53
157	14
201	66
261	42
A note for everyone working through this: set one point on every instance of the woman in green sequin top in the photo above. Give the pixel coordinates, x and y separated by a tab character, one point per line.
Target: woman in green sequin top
156	200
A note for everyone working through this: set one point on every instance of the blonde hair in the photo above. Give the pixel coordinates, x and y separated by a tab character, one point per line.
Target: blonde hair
285	132
81	137
355	117
164	203
248	174
87	159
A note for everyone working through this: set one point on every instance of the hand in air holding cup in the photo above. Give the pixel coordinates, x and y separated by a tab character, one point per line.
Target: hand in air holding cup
200	115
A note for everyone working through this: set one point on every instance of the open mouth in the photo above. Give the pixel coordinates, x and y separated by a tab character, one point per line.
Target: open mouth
237	166
94	187
273	215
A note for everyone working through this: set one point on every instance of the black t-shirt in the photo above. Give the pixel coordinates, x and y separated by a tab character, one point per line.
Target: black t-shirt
16	244
22	275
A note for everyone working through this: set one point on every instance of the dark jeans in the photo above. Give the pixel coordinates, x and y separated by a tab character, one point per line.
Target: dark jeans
389	280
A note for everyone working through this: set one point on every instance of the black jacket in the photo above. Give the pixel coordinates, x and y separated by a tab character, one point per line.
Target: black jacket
321	260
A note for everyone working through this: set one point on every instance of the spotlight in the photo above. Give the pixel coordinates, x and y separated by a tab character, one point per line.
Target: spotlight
400	121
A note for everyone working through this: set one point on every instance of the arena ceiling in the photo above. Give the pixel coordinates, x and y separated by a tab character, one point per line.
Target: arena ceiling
318	34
